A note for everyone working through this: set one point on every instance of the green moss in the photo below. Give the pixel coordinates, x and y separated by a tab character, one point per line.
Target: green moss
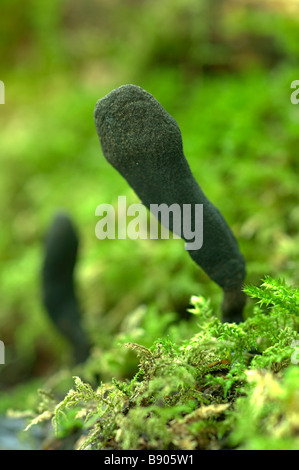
228	386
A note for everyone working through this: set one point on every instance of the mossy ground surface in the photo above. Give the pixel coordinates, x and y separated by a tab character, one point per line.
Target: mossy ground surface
229	386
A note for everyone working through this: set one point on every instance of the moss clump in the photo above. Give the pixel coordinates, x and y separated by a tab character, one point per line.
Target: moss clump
229	386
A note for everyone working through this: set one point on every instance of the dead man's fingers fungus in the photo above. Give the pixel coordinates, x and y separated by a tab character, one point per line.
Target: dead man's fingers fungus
144	143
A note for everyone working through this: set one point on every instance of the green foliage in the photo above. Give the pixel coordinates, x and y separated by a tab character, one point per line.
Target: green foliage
230	385
267	419
223	70
274	293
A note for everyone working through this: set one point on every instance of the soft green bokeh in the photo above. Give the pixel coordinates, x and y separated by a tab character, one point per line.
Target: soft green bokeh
224	73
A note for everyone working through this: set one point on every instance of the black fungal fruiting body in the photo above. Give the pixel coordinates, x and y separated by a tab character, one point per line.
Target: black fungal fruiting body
144	143
61	303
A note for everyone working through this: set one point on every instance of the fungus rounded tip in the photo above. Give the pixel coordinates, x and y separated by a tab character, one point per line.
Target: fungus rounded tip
132	124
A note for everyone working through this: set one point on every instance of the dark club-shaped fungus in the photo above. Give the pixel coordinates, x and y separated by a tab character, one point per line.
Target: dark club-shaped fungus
59	297
144	143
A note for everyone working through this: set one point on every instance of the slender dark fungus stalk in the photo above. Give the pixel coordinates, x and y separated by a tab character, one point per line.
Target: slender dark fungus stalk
144	143
59	297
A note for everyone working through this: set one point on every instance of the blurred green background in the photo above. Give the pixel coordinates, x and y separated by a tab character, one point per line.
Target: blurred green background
223	69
